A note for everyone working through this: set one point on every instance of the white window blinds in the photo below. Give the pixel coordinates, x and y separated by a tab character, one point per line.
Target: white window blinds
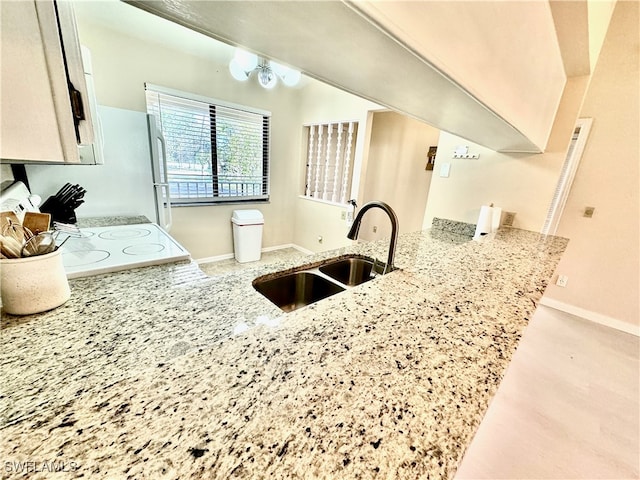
330	149
215	152
568	173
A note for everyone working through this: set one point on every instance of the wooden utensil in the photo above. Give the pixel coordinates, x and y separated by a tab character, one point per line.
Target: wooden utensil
10	247
5	217
37	222
16	231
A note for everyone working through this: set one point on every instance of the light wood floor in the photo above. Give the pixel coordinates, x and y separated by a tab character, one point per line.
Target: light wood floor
567	408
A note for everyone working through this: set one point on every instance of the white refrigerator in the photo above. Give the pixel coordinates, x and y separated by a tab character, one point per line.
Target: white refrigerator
131	182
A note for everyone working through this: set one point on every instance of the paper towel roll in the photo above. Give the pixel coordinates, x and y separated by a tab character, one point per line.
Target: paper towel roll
485	221
497	216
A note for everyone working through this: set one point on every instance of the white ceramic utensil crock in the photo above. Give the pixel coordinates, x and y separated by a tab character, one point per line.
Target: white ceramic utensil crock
33	284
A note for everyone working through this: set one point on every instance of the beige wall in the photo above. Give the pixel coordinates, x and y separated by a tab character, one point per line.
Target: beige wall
390	166
520	183
5	173
599	15
602	260
122	64
504	53
206	231
319	226
313	219
396	173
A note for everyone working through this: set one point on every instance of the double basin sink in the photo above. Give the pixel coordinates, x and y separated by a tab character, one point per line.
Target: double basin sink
293	290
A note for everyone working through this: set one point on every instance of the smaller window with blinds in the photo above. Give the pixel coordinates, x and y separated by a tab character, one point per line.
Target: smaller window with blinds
330	151
216	151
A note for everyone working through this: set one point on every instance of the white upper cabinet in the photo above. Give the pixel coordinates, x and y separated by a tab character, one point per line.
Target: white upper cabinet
44	105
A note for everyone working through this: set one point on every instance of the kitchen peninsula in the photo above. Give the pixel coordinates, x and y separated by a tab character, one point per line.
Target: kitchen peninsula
163	372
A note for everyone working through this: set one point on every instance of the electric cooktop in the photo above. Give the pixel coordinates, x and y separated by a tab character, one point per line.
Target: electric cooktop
111	249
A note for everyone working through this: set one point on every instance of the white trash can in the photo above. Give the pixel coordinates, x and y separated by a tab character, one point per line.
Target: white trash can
247	235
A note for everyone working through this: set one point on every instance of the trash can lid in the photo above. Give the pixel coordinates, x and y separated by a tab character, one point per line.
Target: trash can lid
247	217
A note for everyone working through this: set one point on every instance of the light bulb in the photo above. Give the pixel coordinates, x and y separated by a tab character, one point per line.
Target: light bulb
237	71
278	69
291	78
248	61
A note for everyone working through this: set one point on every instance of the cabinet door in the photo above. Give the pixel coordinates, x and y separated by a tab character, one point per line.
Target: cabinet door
37	121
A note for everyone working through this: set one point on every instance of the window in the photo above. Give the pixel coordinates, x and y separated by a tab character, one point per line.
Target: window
330	148
216	152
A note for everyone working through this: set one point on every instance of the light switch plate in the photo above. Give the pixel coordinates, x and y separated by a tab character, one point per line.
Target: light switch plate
445	169
461	150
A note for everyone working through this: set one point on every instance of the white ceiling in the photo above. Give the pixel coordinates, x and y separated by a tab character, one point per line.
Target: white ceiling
132	21
332	42
129	20
125	18
570	18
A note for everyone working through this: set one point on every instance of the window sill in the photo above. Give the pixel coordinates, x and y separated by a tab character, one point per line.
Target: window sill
219	204
326	202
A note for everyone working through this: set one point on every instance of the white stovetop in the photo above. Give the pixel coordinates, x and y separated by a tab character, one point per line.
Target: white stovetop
115	248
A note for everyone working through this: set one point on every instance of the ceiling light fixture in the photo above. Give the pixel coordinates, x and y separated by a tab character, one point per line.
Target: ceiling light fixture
244	63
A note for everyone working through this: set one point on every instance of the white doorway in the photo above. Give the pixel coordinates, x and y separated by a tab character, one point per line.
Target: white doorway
568	173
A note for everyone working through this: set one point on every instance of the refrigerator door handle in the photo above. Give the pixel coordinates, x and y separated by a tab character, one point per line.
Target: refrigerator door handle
162	192
165	197
160	180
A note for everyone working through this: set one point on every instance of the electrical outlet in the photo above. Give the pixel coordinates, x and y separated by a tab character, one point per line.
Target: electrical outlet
508	218
343	215
562	280
375	229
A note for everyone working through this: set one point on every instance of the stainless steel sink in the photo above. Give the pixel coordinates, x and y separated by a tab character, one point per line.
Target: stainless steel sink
295	290
350	271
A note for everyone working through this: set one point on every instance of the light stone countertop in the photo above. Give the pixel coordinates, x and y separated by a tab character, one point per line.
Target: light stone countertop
163	372
92	222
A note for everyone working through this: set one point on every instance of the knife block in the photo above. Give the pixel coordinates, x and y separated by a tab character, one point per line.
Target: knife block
59	211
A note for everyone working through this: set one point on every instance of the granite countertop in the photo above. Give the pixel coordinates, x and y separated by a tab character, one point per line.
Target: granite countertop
163	372
92	222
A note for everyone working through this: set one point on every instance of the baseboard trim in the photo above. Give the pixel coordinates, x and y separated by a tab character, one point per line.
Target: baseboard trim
215	258
227	256
592	316
288	245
